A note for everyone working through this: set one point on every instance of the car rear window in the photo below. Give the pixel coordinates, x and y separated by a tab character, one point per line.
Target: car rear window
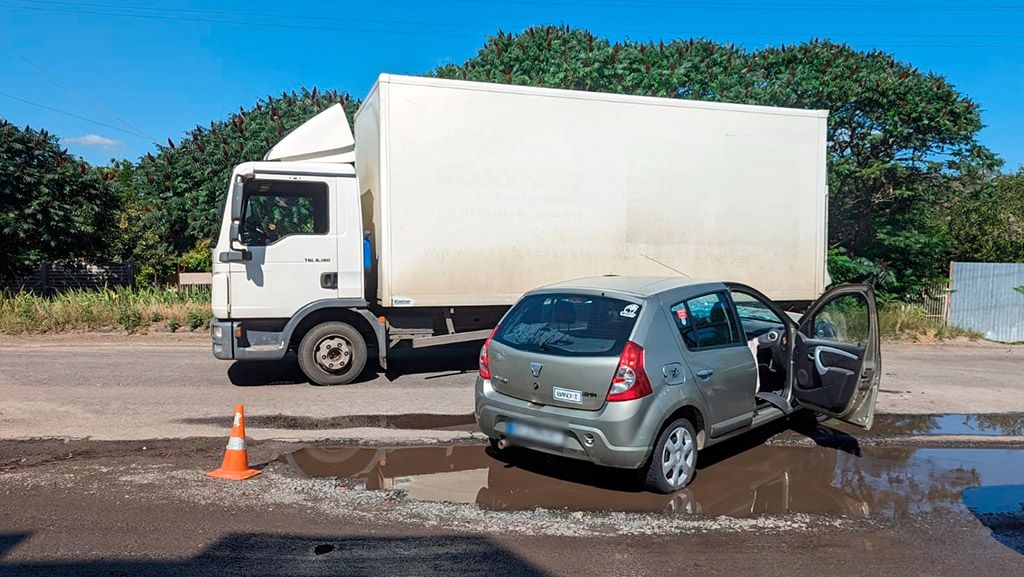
569	325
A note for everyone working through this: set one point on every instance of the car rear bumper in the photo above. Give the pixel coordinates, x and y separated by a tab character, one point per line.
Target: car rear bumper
618	435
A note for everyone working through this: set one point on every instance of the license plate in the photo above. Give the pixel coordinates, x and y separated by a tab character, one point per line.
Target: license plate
535	434
567	395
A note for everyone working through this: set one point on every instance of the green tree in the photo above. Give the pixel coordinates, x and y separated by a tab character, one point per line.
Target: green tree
987	222
53	206
899	140
182	186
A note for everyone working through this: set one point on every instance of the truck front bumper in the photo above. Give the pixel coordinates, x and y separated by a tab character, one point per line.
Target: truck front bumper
246	345
222	334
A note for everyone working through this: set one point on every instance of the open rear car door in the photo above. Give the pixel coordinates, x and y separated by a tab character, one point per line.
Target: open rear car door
837	358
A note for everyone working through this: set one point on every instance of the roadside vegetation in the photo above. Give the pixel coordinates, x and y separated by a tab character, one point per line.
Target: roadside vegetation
121	308
176	309
910	322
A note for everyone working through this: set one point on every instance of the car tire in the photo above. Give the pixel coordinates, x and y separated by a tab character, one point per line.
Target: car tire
673	462
332	353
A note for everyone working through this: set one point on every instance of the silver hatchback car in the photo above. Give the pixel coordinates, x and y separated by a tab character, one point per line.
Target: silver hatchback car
644	372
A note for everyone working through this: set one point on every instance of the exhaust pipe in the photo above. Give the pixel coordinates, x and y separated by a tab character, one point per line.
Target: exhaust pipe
502	443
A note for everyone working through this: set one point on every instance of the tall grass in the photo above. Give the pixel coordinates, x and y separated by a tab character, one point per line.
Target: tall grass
910	322
129	309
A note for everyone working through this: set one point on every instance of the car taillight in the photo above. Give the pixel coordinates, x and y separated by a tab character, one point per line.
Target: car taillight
630	380
485	361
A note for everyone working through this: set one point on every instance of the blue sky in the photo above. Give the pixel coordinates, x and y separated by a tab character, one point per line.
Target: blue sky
130	72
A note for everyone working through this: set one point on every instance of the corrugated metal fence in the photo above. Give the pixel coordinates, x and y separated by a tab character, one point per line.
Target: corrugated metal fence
985	298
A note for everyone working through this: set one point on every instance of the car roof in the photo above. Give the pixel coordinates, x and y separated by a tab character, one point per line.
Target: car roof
641	286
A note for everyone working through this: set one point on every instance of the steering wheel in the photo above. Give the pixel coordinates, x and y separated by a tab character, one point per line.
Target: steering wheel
777	340
255	233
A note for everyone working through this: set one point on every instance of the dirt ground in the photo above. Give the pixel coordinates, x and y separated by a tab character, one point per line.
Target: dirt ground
145	508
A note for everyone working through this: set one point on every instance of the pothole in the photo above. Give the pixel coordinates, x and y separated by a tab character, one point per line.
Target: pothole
323	549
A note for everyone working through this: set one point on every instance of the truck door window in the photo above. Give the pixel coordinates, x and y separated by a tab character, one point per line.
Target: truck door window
275	209
706	321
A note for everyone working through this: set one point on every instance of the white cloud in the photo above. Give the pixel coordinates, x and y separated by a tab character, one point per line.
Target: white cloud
94	140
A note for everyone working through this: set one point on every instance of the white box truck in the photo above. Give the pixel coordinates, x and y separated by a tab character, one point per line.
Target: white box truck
454	198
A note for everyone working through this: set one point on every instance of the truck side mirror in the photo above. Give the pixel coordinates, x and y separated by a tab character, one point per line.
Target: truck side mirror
237	191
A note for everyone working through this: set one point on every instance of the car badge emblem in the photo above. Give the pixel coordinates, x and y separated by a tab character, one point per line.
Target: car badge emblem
535	369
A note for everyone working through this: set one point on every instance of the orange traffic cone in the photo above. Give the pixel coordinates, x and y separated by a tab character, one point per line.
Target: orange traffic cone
236	459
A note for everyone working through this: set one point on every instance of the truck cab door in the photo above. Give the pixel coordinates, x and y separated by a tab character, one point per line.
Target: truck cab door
837	359
289	232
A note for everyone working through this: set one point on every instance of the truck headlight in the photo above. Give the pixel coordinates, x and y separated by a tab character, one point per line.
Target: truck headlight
217	332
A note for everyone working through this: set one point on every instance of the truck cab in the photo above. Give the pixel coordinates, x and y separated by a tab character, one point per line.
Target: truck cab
291	255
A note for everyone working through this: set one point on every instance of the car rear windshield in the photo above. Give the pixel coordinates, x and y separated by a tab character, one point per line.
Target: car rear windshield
569	325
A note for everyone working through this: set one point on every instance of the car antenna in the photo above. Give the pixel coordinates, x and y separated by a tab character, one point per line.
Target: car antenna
650	258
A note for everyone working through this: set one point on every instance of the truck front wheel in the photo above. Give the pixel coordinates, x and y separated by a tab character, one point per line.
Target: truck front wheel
332	353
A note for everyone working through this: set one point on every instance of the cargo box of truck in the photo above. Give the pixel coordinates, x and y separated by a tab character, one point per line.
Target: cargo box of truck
475	193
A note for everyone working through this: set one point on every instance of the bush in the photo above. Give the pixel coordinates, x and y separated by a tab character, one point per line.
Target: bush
197	318
129	319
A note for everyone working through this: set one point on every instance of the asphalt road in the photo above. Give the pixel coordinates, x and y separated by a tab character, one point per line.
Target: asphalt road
110	387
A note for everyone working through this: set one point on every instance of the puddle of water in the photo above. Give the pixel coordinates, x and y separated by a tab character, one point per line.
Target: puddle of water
766	479
1001	509
1003	424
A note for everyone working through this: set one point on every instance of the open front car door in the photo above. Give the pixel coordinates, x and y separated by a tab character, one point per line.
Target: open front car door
837	358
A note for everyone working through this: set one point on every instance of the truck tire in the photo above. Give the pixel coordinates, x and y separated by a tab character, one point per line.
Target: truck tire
673	463
332	353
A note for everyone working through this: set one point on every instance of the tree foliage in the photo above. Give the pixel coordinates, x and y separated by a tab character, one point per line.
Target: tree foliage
182	185
53	206
898	138
987	222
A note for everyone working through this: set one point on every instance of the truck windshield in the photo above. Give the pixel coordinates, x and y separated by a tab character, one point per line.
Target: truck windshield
569	325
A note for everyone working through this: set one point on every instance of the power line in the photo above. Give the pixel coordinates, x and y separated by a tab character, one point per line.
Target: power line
72	115
236	14
102	11
761	6
318	18
99	107
236	22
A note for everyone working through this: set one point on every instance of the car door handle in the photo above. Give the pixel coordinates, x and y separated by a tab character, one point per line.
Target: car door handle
822	369
704	373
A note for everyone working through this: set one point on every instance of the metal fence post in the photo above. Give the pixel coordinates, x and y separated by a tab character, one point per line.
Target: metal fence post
44	277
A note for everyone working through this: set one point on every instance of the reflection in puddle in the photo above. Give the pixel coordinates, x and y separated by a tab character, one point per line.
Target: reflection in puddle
884	481
1002	424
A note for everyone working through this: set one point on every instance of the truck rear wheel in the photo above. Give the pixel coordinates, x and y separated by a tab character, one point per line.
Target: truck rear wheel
332	353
